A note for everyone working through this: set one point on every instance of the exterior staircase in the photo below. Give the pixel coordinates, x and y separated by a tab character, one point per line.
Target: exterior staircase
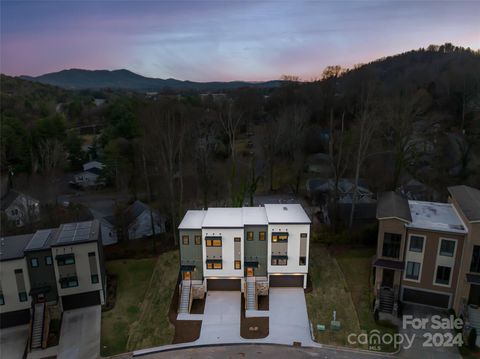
37	326
184	305
251	300
387	300
474	318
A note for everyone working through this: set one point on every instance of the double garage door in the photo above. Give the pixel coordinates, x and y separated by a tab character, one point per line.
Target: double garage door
75	301
426	298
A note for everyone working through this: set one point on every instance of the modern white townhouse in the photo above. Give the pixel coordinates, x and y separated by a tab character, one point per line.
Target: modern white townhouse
245	249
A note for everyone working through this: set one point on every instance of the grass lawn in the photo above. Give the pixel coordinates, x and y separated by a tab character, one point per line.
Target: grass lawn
341	282
329	293
356	265
140	316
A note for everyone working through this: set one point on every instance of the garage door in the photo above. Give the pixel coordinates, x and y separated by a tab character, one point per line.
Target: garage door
11	319
224	284
426	298
75	301
286	281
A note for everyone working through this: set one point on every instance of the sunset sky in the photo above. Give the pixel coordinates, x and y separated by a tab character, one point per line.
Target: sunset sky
223	40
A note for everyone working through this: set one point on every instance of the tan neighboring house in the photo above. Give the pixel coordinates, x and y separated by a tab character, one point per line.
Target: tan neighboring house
428	253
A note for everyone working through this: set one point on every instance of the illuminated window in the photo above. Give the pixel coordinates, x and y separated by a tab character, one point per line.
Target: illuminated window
262	236
249	236
237	239
217	265
214	264
238	264
215	242
303	235
185	240
279	237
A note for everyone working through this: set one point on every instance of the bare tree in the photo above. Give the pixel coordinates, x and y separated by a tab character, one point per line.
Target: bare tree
270	137
164	133
367	121
230	119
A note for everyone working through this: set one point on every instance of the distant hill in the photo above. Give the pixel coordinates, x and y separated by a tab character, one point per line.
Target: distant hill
76	79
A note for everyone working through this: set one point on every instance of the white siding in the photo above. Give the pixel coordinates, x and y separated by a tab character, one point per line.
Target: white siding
293	253
228	252
9	285
82	267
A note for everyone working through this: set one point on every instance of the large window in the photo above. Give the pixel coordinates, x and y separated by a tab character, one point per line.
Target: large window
213	242
475	264
443	275
416	244
391	245
64	260
279	261
185	240
279	237
214	264
68	282
412	271
447	248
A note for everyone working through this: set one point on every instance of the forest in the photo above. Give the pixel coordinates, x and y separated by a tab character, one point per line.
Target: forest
412	115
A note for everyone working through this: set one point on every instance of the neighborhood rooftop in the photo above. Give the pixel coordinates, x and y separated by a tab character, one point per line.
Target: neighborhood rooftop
392	205
468	199
229	217
79	232
435	216
11	247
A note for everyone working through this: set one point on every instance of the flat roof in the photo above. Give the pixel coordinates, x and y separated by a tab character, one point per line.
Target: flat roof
41	239
254	216
435	216
286	213
78	232
12	247
223	217
193	219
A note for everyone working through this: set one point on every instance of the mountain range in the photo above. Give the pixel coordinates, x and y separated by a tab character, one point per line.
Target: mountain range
77	79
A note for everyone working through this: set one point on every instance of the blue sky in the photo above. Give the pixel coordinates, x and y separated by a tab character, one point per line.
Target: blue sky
223	40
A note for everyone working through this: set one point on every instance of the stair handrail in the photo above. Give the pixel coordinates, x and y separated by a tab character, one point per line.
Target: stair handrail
190	296
45	325
180	291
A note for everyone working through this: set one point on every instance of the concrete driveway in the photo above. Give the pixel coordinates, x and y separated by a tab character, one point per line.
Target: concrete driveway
80	334
13	342
418	350
221	318
288	317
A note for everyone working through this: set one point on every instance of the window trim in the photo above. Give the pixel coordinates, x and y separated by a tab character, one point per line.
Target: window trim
212	264
449	279
65	282
424	238
262	236
237	239
277	236
20	296
250	236
185	240
97	280
399	245
300	261
62	260
237	264
405	275
441	239
210	241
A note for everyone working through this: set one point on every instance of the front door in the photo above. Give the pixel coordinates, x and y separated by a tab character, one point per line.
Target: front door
186	276
249	272
474	296
388	278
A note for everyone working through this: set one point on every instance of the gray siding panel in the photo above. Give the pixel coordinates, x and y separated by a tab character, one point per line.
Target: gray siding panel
256	250
191	254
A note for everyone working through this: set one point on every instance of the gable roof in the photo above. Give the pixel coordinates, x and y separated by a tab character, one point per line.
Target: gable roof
11	196
468	199
392	205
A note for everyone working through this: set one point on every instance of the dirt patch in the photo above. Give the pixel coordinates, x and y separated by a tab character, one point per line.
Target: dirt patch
263	302
254	328
185	330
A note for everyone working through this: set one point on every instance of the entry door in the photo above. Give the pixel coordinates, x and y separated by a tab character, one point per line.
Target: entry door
388	278
249	272
474	296
186	276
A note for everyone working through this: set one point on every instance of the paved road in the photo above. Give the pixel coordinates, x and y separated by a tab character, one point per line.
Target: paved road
259	351
13	342
80	334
